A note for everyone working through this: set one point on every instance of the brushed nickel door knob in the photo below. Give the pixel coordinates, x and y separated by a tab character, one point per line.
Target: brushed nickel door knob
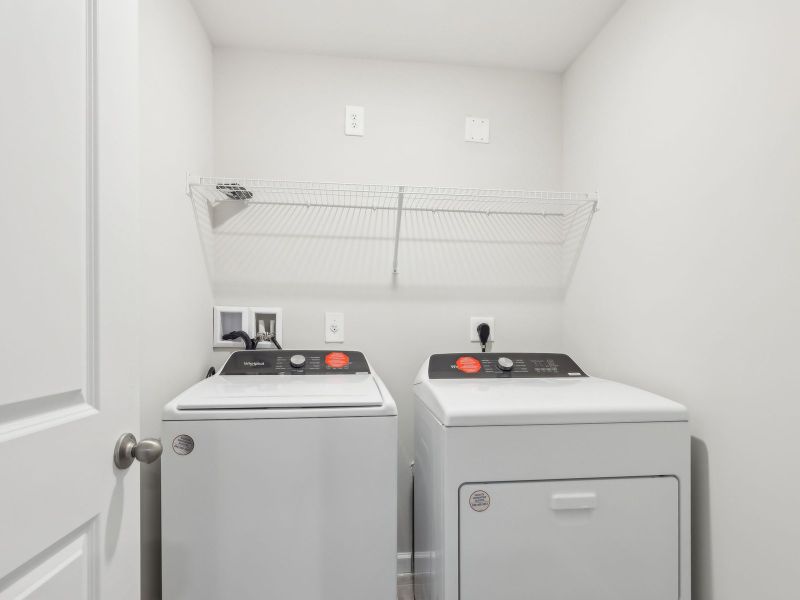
128	449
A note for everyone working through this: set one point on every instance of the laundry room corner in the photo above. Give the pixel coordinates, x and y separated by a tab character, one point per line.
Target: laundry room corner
388	300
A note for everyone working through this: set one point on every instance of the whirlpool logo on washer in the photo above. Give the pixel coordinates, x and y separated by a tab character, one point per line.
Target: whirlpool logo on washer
183	444
479	500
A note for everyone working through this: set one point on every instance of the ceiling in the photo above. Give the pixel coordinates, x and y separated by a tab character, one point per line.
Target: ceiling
544	35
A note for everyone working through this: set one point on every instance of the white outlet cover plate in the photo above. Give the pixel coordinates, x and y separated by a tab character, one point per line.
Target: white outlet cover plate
353	120
334	327
473	328
476	129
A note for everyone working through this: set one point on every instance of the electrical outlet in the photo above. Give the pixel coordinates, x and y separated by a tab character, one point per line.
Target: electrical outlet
334	327
353	120
476	129
473	328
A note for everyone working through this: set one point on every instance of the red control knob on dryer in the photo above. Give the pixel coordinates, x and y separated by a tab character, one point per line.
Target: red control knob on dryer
337	360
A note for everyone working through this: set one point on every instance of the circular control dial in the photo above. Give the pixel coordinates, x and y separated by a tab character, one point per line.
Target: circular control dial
297	361
505	363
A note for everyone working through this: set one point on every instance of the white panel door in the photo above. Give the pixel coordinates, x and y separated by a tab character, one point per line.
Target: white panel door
590	539
69	520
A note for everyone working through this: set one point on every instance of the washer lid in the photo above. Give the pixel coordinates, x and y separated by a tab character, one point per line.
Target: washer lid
227	392
467	402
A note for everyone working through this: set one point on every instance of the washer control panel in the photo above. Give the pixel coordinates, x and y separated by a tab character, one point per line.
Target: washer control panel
492	365
295	362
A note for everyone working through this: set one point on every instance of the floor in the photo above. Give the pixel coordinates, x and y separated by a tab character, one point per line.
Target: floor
405	589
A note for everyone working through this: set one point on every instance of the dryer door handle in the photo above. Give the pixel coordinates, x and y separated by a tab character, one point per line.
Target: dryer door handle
574	501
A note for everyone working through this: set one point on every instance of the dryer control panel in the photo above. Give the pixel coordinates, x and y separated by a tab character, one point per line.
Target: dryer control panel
295	362
493	365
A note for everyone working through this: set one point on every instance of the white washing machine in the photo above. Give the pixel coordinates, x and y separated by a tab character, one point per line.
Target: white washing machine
279	480
533	480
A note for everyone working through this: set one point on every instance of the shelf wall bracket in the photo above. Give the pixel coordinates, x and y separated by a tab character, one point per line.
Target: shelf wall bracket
400	193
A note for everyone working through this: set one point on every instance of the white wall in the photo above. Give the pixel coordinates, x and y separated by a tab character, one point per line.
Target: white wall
176	137
685	114
282	116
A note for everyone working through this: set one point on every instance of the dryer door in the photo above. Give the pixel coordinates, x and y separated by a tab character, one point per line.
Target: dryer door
598	539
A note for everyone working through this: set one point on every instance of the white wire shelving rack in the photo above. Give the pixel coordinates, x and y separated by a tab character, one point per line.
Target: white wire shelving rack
244	208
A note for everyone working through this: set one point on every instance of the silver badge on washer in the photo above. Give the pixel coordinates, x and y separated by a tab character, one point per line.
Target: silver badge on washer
183	444
479	500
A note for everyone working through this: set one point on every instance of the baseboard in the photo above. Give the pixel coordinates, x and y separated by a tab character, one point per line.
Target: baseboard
403	563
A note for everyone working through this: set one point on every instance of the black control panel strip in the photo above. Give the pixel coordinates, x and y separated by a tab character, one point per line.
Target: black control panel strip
295	362
492	365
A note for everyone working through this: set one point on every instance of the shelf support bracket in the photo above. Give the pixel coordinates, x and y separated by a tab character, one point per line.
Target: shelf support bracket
398	220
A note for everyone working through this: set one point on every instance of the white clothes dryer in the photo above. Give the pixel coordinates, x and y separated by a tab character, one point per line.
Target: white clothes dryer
533	480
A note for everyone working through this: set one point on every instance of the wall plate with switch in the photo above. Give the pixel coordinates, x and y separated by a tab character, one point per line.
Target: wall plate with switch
334	327
473	328
476	129
353	120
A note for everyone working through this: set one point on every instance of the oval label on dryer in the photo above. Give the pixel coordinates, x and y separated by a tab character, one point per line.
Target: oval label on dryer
479	500
183	444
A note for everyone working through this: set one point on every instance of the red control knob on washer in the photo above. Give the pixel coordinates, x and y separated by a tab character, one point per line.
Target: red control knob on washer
468	364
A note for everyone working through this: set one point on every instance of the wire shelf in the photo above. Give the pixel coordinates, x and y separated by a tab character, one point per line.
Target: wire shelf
250	228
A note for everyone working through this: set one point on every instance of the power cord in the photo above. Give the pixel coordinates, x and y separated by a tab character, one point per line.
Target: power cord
483	335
